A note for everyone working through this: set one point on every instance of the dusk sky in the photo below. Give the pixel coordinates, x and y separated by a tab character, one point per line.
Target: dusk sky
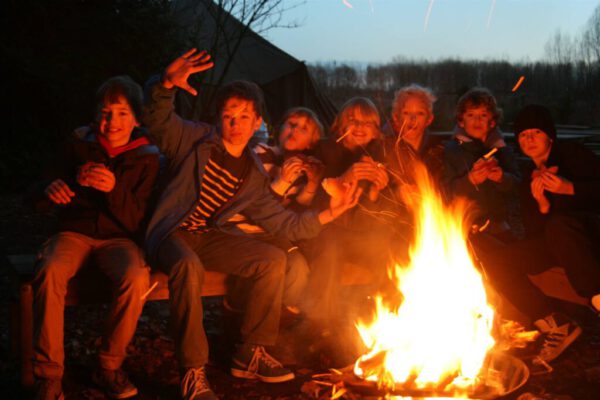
379	30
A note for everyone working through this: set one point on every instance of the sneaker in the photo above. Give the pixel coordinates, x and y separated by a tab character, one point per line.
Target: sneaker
114	383
48	389
194	386
560	331
253	362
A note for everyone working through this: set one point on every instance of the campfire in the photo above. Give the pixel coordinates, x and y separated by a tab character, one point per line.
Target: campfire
438	341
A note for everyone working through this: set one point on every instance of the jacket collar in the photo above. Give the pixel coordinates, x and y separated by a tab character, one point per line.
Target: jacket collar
494	137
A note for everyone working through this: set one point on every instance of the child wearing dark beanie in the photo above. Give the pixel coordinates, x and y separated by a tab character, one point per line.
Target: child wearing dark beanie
535	116
560	207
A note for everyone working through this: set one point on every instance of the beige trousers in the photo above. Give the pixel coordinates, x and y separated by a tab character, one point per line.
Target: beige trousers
60	259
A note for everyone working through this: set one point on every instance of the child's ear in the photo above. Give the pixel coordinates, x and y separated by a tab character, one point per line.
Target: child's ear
258	123
461	123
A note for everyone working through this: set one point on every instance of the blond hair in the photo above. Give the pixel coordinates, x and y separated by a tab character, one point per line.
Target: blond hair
365	107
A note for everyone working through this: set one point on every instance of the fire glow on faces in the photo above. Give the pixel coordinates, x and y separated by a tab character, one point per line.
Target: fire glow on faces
297	133
413	118
359	130
116	121
239	121
477	122
535	144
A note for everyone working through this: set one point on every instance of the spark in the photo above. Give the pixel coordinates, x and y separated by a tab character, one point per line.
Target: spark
427	15
489	20
521	79
372	8
347	3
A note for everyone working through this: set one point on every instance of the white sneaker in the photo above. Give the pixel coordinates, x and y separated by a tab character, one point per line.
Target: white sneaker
560	331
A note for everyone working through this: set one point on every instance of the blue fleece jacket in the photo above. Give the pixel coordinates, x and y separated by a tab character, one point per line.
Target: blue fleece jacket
187	145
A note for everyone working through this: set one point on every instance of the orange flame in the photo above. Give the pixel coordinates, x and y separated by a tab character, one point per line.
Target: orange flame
441	333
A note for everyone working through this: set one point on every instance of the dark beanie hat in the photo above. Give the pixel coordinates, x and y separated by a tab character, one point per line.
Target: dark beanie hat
535	116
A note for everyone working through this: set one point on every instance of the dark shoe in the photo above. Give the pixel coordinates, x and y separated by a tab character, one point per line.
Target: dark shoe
194	386
560	331
114	383
48	389
253	362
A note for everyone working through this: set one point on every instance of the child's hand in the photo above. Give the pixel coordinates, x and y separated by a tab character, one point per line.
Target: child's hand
537	191
479	172
178	72
97	176
557	184
291	169
314	169
59	192
495	174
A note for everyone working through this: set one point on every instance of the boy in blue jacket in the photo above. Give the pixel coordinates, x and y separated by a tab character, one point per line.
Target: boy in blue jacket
213	176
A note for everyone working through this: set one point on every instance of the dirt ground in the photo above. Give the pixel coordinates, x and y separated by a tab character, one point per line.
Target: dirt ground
152	365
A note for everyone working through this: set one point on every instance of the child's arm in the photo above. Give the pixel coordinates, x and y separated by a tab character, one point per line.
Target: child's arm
171	132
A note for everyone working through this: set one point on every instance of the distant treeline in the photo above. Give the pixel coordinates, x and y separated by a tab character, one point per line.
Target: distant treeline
571	90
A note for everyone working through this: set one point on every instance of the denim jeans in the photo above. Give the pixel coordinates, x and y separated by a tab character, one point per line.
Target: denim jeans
185	256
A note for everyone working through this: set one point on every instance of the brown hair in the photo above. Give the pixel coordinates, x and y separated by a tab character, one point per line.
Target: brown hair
121	86
242	90
477	97
361	104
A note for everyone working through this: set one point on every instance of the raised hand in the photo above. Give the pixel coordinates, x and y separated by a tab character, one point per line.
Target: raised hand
59	192
178	72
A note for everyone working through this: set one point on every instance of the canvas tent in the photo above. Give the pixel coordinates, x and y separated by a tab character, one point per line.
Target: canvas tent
240	53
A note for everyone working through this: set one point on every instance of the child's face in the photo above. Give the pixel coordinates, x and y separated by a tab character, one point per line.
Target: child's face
116	121
477	122
296	133
239	121
361	130
413	118
535	143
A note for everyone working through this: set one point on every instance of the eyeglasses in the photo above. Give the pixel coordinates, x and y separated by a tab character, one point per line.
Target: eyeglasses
367	124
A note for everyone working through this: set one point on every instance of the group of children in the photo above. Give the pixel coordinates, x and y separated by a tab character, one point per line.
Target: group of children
285	218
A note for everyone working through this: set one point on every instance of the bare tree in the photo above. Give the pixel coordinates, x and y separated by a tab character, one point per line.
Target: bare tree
221	26
560	48
590	43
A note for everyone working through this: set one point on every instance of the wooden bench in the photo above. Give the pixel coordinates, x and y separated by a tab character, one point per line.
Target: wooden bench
553	282
81	291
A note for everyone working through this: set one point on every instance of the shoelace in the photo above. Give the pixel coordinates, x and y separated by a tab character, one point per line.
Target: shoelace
194	383
552	341
261	354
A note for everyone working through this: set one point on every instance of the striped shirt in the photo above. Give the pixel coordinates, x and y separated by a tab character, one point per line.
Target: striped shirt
222	178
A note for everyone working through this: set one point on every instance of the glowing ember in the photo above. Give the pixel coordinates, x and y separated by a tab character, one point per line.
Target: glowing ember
439	336
347	3
521	79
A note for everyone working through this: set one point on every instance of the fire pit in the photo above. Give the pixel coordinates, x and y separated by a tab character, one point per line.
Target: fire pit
501	376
